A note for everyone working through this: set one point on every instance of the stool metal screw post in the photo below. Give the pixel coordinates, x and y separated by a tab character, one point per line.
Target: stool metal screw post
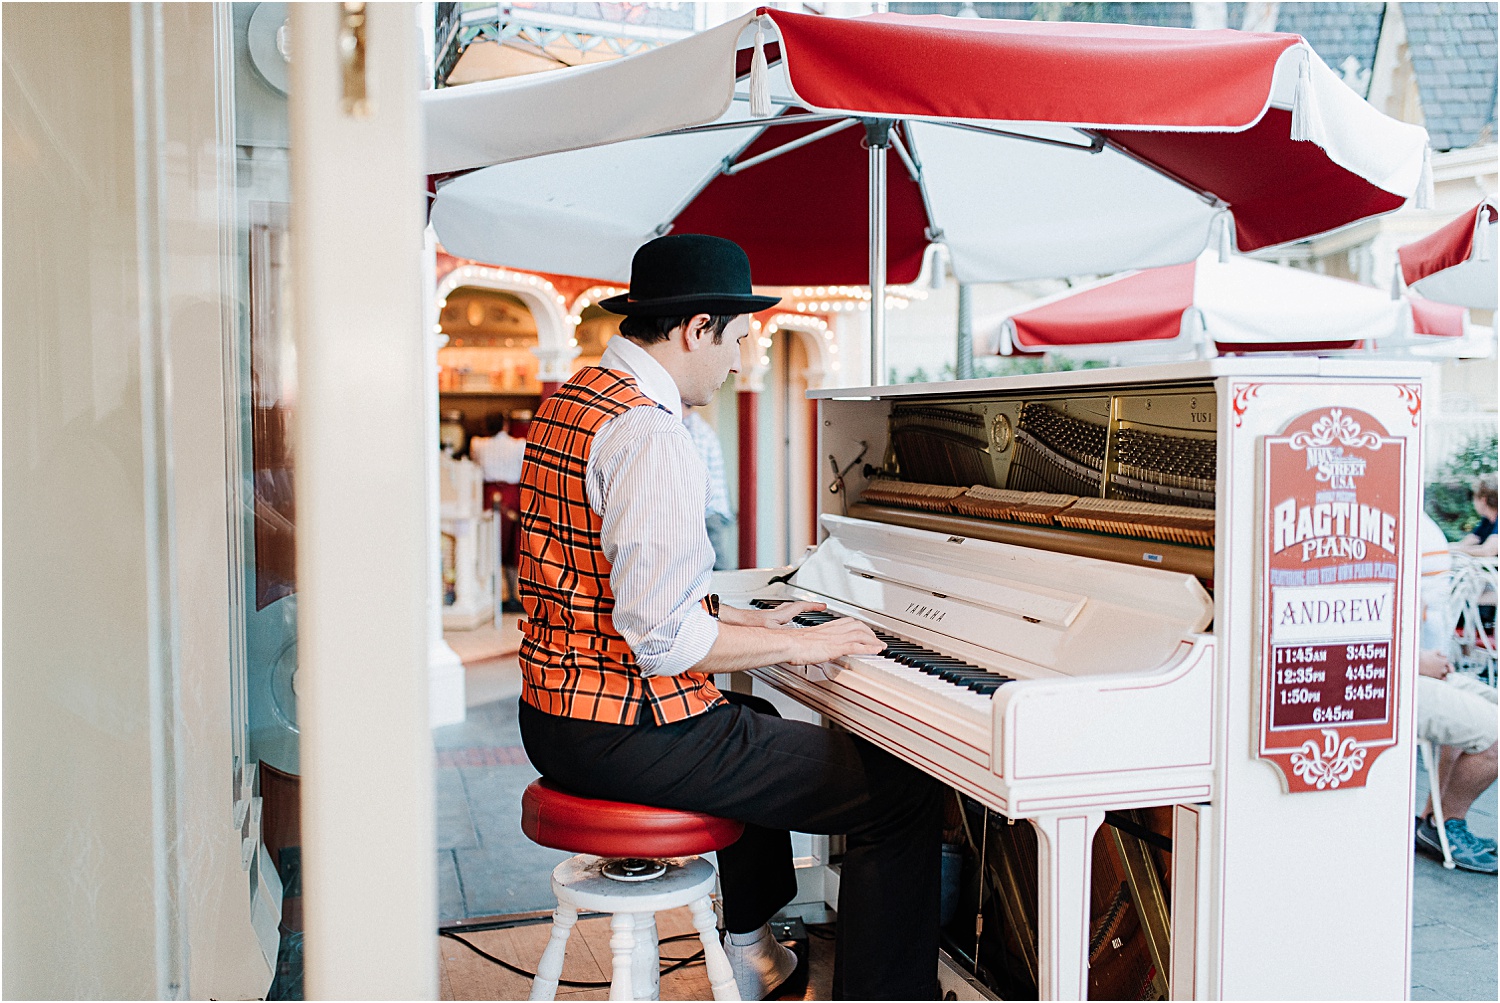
632	862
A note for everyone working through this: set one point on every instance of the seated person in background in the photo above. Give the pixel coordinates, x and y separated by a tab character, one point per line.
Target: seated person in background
719	517
1455	712
1481	541
499	455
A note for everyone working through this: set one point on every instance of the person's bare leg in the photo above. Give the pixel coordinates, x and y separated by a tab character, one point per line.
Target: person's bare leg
1469	777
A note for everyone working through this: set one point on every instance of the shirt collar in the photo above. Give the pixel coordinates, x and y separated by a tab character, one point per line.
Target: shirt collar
655	382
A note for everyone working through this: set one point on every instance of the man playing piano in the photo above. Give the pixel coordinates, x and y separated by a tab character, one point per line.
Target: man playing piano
621	641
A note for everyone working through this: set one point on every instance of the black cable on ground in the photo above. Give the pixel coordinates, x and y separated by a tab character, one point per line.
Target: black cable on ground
677	963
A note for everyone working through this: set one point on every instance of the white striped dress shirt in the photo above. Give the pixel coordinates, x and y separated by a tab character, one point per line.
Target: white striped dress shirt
647	482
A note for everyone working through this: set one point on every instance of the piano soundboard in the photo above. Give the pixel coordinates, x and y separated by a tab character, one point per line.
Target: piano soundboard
1086	604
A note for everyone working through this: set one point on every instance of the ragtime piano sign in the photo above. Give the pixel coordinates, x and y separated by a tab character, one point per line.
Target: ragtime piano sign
1331	598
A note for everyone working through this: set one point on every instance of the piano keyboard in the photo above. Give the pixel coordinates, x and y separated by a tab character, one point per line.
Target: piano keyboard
952	673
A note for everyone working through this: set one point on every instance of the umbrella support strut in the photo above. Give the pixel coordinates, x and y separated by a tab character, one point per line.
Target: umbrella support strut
877	141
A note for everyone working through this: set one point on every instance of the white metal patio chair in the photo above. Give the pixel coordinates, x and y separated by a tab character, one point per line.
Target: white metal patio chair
1473	584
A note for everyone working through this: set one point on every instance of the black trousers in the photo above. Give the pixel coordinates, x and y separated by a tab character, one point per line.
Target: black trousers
743	761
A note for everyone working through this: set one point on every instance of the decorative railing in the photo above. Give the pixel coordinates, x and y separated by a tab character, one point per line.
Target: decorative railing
620	29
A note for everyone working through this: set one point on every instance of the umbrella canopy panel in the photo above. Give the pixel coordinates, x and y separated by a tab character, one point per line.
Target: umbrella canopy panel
1456	264
1034	149
1210	306
1134	307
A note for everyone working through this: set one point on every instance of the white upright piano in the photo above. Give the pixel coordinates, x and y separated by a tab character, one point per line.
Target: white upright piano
1190	585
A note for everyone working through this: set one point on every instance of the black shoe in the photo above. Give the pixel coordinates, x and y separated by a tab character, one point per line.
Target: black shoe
1427	838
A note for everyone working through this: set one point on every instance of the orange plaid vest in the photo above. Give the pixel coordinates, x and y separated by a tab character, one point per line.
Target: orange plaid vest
574	663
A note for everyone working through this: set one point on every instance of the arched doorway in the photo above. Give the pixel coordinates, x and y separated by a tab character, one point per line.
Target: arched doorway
555	346
489	366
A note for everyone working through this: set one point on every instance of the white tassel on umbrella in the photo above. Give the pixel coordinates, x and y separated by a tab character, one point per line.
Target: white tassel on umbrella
760	74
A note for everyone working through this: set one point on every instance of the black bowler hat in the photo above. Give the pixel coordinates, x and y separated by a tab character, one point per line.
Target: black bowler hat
689	273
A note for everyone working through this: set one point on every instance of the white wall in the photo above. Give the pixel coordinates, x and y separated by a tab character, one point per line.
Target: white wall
121	861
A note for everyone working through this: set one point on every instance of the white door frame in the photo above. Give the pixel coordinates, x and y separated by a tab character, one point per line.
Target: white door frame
369	880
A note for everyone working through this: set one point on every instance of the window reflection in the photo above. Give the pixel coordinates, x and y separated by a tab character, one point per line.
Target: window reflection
273	395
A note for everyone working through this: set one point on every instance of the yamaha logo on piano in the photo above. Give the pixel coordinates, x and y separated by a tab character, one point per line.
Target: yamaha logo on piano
926	612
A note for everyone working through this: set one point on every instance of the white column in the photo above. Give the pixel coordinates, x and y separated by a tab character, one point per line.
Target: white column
554	364
1065	852
445	672
461	515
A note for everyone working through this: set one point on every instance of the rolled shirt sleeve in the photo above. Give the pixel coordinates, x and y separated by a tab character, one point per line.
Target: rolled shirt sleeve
648	483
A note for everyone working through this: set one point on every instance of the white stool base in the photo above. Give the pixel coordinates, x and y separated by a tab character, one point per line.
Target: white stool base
580	886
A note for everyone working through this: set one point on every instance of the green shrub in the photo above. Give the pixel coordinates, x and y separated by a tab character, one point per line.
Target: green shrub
1448	498
1000	365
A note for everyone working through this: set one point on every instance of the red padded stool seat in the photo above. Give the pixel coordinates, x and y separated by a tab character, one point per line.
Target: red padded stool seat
553	817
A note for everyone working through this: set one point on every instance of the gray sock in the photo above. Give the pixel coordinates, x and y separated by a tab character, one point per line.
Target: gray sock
753	937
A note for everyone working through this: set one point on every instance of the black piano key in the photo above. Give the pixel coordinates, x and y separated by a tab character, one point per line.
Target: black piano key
956	673
962	677
947	669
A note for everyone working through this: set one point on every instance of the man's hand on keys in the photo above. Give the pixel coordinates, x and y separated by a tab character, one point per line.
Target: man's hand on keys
832	640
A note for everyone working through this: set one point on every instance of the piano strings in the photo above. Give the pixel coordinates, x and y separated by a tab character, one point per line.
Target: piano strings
1129	945
1141	448
1056	451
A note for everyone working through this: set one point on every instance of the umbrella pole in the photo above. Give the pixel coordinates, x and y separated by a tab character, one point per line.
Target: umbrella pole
877	141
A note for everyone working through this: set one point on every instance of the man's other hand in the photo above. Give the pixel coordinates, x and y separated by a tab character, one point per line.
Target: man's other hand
832	640
1434	664
776	616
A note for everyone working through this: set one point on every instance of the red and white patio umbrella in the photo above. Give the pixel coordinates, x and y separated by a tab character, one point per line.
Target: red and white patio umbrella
1457	263
1213	307
1030	149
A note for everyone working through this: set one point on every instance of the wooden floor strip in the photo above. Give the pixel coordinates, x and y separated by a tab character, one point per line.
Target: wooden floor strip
464	975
